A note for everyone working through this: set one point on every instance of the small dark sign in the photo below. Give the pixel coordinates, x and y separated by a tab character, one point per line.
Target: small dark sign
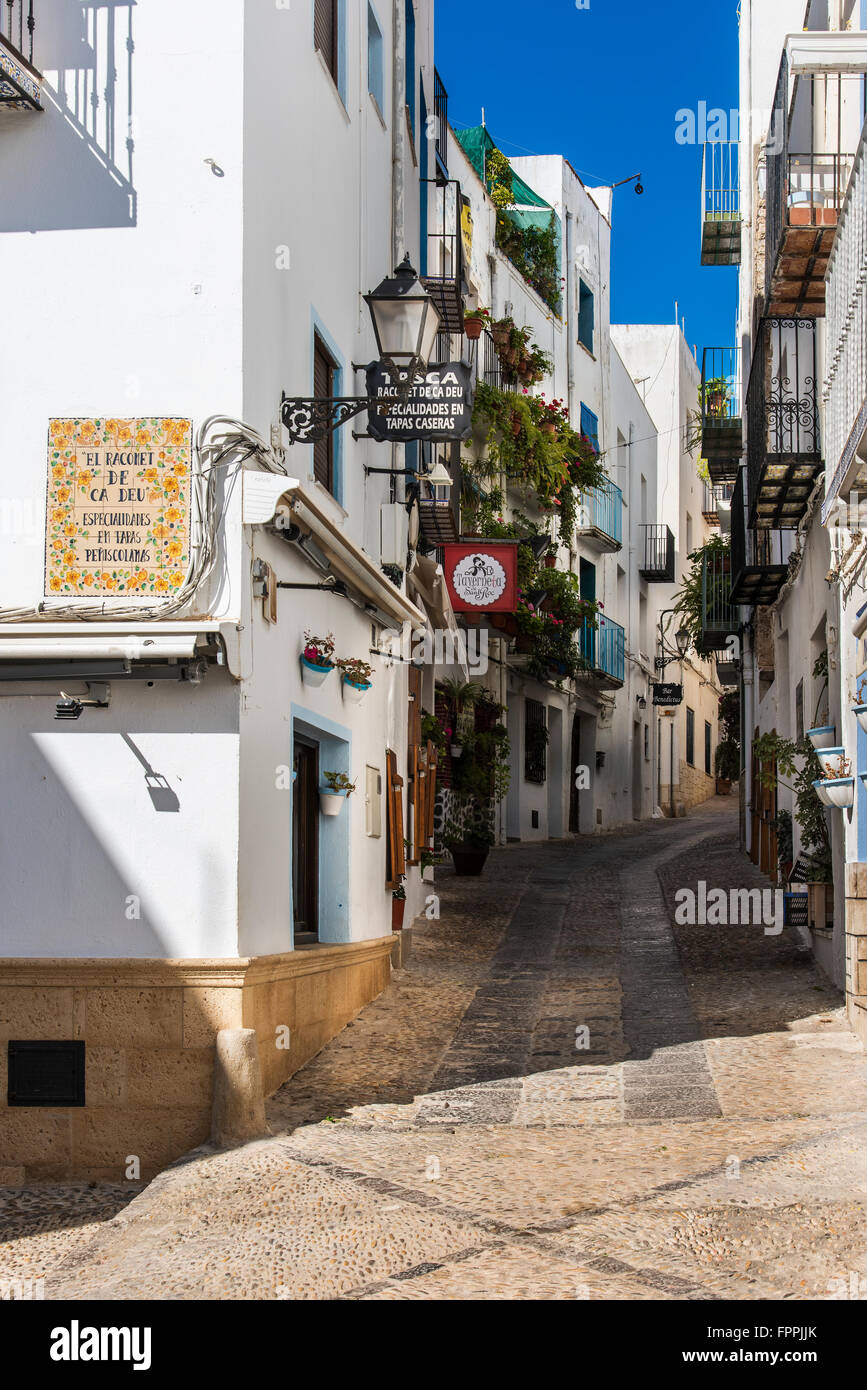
800	872
440	405
667	694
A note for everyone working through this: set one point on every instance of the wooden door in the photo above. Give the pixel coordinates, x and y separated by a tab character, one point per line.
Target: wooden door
305	842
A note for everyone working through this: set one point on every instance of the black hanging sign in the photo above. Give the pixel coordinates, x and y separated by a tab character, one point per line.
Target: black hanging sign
667	694
440	405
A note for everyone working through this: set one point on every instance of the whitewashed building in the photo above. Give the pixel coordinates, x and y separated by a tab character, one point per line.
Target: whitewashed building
180	251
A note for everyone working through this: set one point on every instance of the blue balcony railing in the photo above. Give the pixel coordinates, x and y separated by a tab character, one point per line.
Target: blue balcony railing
604	648
601	511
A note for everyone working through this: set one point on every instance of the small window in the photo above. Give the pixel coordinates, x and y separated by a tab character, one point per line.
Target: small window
690	736
586	315
535	742
647	743
375	82
324	375
590	426
326	34
708	735
799	711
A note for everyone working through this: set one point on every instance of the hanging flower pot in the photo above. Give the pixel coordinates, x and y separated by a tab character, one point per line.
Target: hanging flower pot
830	760
860	713
314	674
819	789
549	427
840	791
354	691
822	737
500	334
456	750
469	863
474	322
516	424
333	795
550	561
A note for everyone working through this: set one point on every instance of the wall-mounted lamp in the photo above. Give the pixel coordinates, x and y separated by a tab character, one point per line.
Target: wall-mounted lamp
642	702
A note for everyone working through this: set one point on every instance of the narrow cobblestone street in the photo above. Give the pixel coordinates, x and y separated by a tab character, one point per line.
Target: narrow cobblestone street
453	1143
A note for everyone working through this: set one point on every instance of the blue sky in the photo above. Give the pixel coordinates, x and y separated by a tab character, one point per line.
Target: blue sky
602	86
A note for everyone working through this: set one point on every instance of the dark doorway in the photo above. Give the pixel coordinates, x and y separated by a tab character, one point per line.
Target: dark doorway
574	814
305	842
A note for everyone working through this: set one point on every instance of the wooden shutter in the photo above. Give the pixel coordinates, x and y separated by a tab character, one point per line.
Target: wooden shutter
325	32
323	387
416	759
395	855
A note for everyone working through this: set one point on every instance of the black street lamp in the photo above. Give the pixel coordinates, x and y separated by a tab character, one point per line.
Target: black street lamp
405	324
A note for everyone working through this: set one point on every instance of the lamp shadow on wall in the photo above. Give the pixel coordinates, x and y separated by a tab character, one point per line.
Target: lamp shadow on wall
72	166
163	798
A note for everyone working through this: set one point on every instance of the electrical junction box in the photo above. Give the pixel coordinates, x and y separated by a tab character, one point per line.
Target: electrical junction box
394	534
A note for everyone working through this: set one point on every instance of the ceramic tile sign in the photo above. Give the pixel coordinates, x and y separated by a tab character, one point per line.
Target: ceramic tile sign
118	508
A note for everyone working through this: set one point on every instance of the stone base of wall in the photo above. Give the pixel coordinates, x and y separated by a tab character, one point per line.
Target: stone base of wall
695	786
856	949
150	1027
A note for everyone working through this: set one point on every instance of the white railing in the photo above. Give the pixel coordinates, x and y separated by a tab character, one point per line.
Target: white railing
845	389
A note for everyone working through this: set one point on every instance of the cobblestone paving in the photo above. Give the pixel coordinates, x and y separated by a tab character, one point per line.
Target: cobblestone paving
454	1143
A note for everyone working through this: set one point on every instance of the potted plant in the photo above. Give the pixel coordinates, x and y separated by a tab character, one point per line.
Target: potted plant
469	847
780	757
333	795
474	322
727	765
357	678
317	659
785	844
500	332
833	762
820	891
398	907
823	736
717	395
859	709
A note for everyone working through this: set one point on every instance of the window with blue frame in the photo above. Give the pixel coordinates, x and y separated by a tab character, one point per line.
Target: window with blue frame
410	63
586	316
375	78
590	426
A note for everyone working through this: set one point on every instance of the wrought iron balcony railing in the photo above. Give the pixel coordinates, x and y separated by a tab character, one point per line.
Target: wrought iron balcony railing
720	204
717	498
441	120
604	650
658	565
845	390
759	558
783	447
805	186
442	271
600	517
20	81
491	368
722	434
718	618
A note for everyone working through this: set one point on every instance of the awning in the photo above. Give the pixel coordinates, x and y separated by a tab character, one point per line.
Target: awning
824	50
98	647
269	497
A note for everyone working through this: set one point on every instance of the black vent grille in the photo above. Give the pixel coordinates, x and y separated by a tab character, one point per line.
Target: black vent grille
46	1073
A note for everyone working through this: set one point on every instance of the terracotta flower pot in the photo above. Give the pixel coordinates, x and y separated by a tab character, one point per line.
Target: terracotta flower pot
398	908
500	335
549	427
516	425
550	562
723	786
473	328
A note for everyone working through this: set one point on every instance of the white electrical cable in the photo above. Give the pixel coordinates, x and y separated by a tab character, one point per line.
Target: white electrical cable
235	438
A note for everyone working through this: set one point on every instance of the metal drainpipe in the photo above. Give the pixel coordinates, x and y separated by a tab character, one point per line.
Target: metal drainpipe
671	771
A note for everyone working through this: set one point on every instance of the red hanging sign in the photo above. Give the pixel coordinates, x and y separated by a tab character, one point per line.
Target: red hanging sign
482	577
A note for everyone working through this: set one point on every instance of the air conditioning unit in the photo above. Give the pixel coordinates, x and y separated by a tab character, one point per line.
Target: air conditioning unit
393	534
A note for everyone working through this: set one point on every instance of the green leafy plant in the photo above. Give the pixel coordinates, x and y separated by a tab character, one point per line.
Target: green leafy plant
780	757
432	731
695	599
356	671
319	650
727	760
785	837
477	315
338	782
500	179
474	837
535	254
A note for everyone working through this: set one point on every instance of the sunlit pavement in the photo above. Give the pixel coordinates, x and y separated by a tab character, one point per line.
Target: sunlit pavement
562	1096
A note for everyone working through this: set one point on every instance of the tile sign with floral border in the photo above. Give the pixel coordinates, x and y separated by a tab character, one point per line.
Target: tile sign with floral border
118	507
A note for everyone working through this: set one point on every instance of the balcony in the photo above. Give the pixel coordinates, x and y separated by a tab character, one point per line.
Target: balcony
600	517
759	558
816	119
439	516
20	81
845	390
722	431
442	270
658	567
491	368
603	649
716	504
783	447
718	618
728	670
720	204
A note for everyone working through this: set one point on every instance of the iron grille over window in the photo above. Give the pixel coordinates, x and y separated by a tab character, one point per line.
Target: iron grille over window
535	742
325	34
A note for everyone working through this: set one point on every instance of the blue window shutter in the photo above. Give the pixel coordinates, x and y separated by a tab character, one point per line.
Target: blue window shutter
375	81
590	426
586	316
